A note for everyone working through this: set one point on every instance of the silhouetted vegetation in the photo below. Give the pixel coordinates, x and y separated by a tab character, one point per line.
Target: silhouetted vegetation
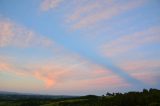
149	97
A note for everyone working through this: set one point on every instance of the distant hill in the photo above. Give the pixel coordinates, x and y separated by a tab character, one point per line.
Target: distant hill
7	93
16	95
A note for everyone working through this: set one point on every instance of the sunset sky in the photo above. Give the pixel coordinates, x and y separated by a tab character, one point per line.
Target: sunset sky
79	47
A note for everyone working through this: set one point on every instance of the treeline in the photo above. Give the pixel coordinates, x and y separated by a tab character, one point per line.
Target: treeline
145	98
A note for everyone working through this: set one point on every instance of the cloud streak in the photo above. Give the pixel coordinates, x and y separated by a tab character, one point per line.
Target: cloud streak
143	69
55	73
125	43
139	67
50	4
92	13
65	65
12	34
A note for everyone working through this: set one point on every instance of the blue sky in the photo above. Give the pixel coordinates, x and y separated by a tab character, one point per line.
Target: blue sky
79	46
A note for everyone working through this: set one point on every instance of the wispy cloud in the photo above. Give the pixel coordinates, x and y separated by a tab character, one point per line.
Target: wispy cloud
50	4
56	72
124	52
99	83
92	13
125	43
141	65
12	34
83	14
148	77
65	65
143	69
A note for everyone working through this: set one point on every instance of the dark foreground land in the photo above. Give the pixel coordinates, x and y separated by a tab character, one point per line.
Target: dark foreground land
145	98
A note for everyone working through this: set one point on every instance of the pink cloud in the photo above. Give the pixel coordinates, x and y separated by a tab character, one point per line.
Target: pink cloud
91	13
151	78
99	83
69	68
84	13
48	81
86	9
66	66
128	42
142	65
50	4
142	69
12	34
137	64
55	72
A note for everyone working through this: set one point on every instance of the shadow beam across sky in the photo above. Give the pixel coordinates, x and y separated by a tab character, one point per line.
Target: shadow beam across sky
91	55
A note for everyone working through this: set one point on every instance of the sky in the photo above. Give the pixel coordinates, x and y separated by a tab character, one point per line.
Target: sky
79	47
